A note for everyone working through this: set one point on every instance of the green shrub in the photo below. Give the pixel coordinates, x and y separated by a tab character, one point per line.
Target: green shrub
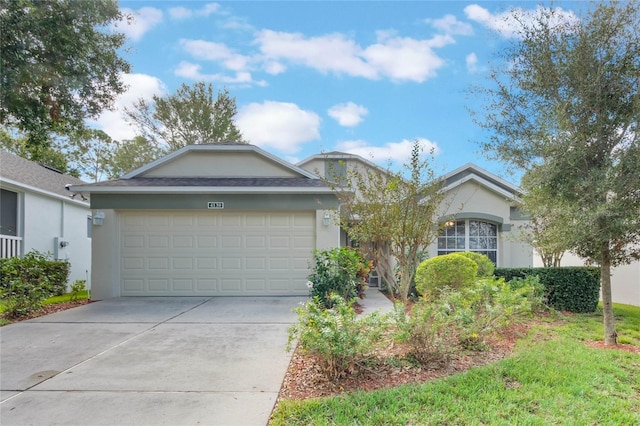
23	297
427	329
490	305
34	265
485	265
342	271
76	288
449	271
573	289
339	340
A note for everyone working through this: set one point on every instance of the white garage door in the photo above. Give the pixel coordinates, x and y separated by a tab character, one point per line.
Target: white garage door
215	253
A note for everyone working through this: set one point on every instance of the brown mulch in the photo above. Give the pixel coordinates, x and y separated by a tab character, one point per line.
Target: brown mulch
304	378
48	309
619	347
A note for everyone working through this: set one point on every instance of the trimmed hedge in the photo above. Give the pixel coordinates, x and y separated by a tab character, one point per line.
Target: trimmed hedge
32	268
570	288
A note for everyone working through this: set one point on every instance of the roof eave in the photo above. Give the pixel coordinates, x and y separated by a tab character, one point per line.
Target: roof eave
199	190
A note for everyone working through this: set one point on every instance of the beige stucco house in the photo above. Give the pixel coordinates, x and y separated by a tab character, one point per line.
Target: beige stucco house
480	210
209	220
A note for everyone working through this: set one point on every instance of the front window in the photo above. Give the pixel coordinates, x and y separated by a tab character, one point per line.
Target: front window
469	235
8	212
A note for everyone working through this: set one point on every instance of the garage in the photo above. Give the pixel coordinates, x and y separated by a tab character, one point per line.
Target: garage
215	253
209	220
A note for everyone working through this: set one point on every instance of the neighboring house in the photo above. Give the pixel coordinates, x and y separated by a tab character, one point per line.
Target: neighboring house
209	220
480	209
38	213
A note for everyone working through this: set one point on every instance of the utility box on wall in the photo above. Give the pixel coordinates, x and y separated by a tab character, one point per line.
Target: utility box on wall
60	248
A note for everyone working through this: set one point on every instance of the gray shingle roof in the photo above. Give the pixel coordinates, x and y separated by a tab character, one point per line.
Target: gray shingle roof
214	182
29	173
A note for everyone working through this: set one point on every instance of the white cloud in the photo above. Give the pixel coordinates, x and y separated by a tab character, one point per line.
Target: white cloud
193	72
140	86
450	25
398	58
219	52
348	114
280	125
180	12
329	53
143	20
274	68
392	151
510	23
208	9
472	63
406	59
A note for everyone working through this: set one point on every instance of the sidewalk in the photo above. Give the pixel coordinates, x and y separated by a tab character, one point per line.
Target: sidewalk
375	301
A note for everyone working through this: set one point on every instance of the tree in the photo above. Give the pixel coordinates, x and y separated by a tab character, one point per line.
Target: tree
60	64
43	154
90	152
190	116
547	232
565	108
131	154
392	218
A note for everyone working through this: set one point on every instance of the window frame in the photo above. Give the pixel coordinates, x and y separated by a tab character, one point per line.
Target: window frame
456	241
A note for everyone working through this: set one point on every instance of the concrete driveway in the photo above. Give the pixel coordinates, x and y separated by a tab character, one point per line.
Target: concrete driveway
148	361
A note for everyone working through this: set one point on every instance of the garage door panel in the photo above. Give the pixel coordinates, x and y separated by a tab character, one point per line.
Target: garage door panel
215	253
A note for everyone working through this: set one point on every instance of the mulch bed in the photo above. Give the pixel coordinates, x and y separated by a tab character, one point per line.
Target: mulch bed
48	309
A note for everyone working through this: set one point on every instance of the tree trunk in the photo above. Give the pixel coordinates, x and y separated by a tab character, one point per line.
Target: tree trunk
610	334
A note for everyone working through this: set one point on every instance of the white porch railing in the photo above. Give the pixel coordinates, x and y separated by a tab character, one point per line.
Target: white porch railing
9	246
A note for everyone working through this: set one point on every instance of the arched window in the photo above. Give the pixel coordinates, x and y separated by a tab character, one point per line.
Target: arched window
469	235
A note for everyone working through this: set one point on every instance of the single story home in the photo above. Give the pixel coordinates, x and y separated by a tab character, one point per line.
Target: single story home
211	220
233	219
39	213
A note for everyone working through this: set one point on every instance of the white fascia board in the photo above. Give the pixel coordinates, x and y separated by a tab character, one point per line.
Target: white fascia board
223	148
18	186
491	186
200	189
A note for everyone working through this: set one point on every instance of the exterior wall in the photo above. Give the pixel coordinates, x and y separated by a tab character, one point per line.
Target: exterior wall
105	268
471	200
327	236
625	279
45	218
315	166
220	164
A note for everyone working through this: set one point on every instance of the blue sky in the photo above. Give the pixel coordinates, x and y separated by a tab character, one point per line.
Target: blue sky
311	77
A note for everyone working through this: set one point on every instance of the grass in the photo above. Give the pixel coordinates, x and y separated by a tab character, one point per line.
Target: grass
82	295
552	378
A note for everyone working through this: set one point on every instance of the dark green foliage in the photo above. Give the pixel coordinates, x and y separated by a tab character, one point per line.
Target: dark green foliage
36	268
27	281
485	265
449	271
342	271
60	64
573	288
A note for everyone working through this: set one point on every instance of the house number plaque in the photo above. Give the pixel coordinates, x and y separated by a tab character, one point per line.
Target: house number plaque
215	205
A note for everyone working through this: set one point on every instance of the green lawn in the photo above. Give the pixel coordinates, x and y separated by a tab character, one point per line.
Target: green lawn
552	378
82	295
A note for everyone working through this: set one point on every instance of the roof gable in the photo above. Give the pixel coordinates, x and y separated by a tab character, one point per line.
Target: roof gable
471	172
219	161
30	175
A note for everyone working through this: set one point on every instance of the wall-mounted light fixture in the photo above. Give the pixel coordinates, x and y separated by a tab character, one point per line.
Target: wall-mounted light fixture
98	218
326	220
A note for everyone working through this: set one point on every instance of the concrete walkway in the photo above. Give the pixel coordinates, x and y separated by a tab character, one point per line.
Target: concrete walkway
147	361
375	301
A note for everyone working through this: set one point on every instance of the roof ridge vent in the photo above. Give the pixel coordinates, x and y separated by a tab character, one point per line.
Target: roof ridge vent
53	169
